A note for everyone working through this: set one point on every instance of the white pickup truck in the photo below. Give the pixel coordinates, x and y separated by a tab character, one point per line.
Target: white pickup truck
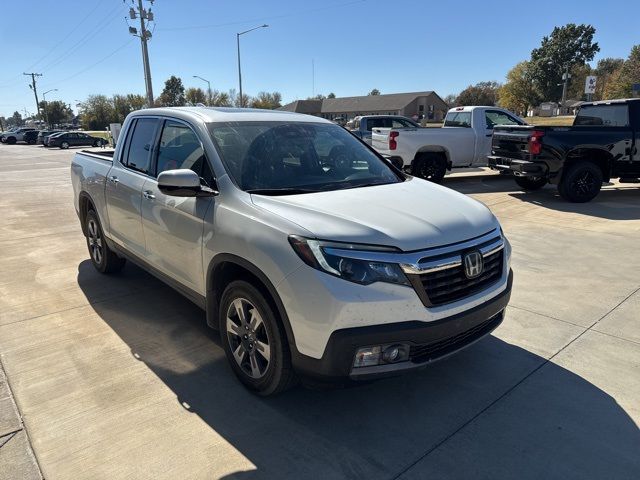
463	141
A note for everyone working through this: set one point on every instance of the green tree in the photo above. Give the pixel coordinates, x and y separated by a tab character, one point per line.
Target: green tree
123	105
375	91
605	70
319	96
566	46
482	93
56	112
173	93
97	112
331	95
575	88
16	119
195	95
267	100
519	92
622	80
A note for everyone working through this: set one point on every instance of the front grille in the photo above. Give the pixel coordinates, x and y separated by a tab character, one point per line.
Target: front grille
435	350
451	284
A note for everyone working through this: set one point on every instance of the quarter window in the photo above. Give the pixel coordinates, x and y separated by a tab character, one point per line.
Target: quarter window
139	156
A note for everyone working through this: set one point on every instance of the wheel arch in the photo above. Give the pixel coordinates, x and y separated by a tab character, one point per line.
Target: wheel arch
223	269
85	203
601	157
440	149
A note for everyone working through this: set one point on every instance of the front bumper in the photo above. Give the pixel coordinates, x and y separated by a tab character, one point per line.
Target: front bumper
520	168
428	341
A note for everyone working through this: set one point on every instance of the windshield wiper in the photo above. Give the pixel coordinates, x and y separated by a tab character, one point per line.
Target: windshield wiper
280	191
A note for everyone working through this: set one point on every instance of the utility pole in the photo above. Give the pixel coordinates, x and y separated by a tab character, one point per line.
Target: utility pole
32	86
145	17
565	82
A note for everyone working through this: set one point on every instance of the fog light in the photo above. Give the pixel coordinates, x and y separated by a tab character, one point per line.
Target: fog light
395	353
367	356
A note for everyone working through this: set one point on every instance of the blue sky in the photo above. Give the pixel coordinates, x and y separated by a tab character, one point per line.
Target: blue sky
83	47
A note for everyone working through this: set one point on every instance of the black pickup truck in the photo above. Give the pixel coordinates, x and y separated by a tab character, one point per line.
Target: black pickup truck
602	144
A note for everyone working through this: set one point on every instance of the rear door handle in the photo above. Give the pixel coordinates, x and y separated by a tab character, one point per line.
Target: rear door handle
148	194
113	179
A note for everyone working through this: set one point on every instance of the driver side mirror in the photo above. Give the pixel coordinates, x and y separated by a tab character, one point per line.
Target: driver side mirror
183	183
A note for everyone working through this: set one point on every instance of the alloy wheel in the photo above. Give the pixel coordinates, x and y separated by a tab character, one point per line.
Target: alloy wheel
95	241
584	183
248	338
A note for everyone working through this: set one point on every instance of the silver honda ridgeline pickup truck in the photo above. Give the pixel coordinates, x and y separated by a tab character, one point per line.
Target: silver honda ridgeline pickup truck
309	252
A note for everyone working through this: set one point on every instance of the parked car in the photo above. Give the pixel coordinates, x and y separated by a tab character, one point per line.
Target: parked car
46	133
463	141
31	137
362	126
602	144
74	139
15	136
308	263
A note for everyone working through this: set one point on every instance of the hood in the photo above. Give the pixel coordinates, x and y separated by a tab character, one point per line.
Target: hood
412	215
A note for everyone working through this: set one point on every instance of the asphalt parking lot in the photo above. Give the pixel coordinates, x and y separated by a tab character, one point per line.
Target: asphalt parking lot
118	377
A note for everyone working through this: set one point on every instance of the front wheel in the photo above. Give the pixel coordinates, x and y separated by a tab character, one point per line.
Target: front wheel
254	341
64	145
581	182
430	166
531	183
103	258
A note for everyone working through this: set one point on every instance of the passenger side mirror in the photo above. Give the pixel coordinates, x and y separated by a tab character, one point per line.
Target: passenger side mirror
183	183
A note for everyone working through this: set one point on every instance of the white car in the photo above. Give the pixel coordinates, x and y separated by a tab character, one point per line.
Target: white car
14	136
295	238
463	141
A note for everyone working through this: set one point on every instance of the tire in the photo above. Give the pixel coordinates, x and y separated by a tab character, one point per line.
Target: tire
64	145
581	182
31	142
96	143
265	369
430	166
531	183
11	140
103	258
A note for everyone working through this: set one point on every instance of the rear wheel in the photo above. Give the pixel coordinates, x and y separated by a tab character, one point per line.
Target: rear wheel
103	258
430	166
31	142
581	182
254	340
11	140
64	145
531	183
96	143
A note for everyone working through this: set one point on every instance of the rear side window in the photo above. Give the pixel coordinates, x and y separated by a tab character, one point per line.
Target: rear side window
179	148
603	116
458	119
378	123
139	153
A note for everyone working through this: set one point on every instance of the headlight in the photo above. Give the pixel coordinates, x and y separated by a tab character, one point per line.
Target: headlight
313	253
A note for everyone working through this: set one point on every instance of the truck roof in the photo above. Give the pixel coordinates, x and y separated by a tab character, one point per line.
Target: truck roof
470	108
226	114
607	102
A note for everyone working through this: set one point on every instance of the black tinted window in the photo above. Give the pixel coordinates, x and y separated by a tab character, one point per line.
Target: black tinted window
179	148
139	156
603	115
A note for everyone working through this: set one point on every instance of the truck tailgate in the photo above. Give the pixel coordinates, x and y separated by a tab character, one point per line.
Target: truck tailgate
380	139
511	141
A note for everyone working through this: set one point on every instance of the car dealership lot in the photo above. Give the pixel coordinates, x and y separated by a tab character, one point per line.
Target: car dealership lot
119	377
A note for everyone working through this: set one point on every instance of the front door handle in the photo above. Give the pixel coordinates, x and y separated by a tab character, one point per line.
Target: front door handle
148	194
113	179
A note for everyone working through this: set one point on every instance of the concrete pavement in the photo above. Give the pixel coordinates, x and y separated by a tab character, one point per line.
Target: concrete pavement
118	376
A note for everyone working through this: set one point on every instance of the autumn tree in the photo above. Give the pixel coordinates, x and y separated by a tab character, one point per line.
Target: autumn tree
195	95
220	99
97	112
606	70
123	105
520	91
267	100
482	93
622	80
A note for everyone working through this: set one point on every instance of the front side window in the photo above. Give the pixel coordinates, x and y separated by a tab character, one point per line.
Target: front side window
139	154
493	118
458	119
279	157
179	148
603	115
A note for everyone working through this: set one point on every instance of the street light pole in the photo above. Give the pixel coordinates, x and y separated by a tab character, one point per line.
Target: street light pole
208	88
46	110
239	68
565	78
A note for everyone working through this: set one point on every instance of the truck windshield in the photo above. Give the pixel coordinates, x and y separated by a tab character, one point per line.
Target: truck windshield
279	158
458	119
